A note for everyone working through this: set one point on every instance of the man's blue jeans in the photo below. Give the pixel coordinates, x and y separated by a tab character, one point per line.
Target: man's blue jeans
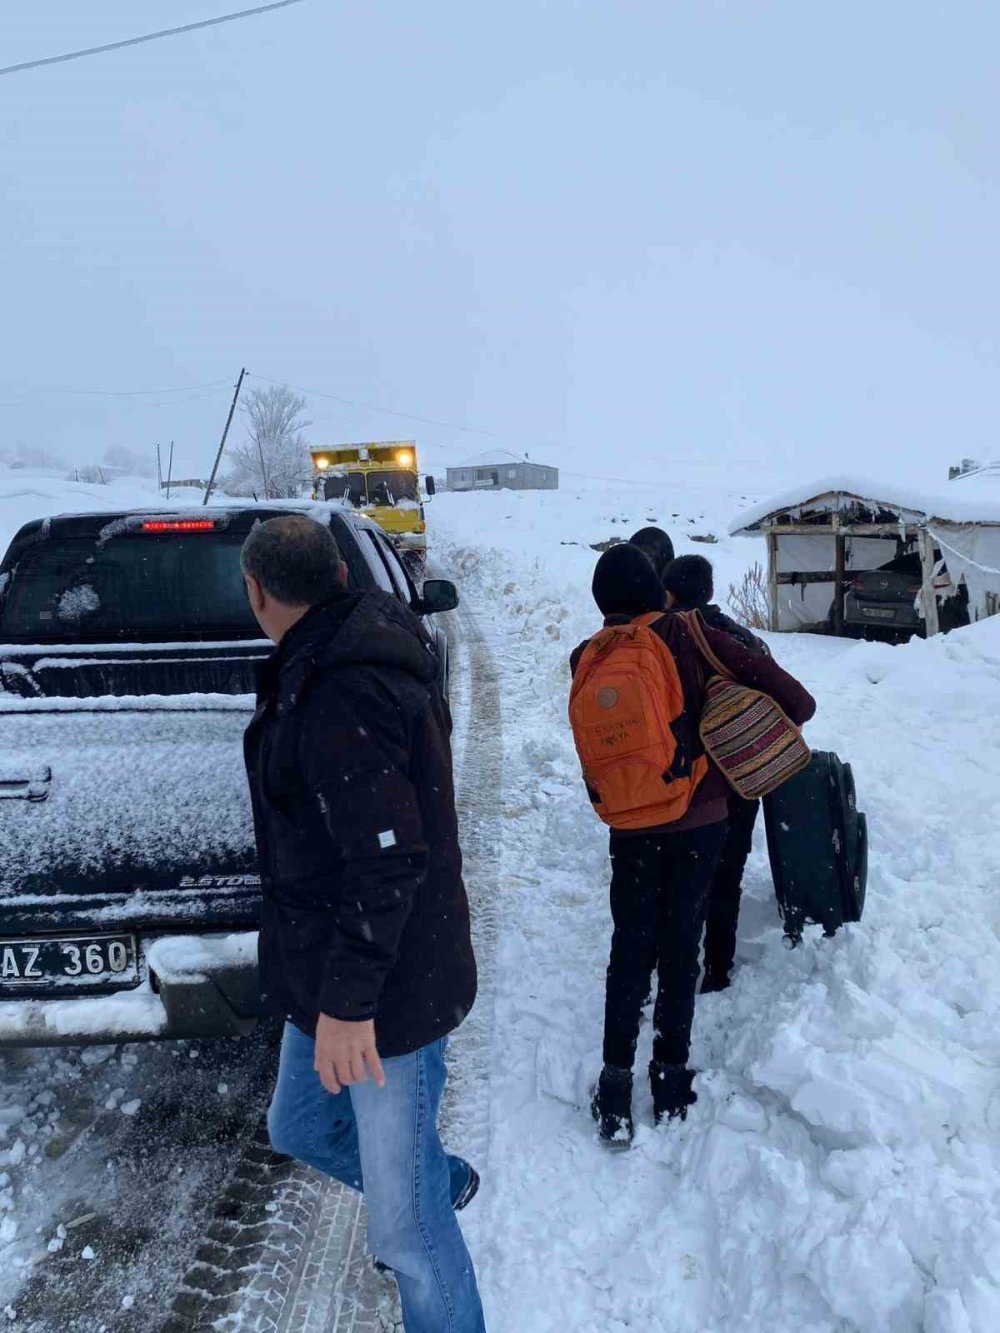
384	1142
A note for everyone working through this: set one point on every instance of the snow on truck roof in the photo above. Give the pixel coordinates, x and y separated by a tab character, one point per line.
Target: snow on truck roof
973	498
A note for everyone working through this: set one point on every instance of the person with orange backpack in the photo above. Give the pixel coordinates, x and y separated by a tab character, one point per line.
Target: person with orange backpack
635	709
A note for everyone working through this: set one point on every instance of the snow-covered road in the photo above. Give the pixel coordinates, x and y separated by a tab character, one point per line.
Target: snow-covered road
111	1161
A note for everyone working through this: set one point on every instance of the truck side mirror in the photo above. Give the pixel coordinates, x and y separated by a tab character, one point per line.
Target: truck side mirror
437	595
431	485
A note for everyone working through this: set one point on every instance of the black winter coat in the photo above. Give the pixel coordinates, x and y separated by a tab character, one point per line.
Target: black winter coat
349	762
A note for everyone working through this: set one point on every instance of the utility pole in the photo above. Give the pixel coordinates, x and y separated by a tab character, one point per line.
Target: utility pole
170	468
222	442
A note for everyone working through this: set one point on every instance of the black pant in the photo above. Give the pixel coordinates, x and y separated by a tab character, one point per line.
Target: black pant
659	897
727	885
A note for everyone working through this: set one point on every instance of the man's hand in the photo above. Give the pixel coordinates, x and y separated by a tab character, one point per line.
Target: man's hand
346	1054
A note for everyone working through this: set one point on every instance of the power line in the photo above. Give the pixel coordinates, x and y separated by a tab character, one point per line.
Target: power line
147	37
371	407
115	393
410	416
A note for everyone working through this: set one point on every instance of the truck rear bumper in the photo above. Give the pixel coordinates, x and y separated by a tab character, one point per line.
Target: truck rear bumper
195	986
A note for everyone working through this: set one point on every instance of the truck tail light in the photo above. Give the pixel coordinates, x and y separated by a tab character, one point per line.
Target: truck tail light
179	525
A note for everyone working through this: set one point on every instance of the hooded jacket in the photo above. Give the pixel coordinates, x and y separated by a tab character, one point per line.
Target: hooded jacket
348	757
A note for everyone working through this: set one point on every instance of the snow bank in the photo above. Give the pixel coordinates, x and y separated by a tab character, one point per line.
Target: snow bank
839	1171
557	529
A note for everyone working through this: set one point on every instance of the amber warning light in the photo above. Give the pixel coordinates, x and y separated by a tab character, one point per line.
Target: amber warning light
179	525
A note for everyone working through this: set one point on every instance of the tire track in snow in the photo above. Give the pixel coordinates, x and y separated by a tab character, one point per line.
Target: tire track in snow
478	724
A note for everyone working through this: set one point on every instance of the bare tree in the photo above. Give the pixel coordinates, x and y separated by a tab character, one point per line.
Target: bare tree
129	461
30	456
748	599
273	461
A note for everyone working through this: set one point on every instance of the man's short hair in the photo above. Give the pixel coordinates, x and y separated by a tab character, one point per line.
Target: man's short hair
691	580
294	559
656	545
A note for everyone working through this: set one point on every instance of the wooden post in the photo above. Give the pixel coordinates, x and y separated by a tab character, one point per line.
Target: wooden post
222	442
928	596
772	581
838	583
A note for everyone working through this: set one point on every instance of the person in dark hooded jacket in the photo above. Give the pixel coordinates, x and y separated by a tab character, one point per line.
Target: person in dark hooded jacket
657	546
689	583
365	945
660	877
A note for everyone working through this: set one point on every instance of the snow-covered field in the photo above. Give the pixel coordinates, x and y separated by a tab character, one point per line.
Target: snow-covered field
26	494
841	1168
840	1172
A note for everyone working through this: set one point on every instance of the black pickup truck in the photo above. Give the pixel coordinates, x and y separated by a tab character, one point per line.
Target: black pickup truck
129	895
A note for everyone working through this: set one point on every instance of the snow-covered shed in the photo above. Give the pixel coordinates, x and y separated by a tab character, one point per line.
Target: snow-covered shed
822	536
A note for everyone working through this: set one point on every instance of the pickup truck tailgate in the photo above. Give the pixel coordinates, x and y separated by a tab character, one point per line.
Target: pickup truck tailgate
125	810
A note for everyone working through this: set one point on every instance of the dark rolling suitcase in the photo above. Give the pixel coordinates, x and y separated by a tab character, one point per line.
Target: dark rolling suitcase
817	840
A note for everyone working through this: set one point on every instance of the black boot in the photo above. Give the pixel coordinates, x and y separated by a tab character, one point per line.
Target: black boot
672	1091
612	1106
470	1191
714	980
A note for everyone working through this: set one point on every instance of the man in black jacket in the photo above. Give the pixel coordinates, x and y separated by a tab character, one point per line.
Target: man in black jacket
689	583
365	946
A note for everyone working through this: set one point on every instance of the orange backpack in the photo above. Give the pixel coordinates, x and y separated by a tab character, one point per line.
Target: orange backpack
625	701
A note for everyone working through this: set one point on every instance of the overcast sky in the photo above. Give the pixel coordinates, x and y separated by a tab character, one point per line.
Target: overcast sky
611	233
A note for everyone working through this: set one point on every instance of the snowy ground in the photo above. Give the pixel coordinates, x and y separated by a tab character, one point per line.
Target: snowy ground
839	1171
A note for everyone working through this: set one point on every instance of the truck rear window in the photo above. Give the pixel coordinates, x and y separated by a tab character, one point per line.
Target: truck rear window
144	585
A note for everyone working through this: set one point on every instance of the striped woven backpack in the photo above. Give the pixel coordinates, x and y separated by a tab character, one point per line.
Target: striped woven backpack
753	743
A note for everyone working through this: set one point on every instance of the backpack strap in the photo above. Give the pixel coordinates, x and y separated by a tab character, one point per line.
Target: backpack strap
693	620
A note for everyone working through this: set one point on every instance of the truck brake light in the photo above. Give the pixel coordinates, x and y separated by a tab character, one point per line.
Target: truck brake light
179	525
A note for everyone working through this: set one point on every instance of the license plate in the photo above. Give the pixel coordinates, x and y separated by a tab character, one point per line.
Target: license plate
878	612
87	962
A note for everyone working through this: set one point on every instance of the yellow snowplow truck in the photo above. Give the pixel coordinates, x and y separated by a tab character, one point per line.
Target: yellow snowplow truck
382	481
